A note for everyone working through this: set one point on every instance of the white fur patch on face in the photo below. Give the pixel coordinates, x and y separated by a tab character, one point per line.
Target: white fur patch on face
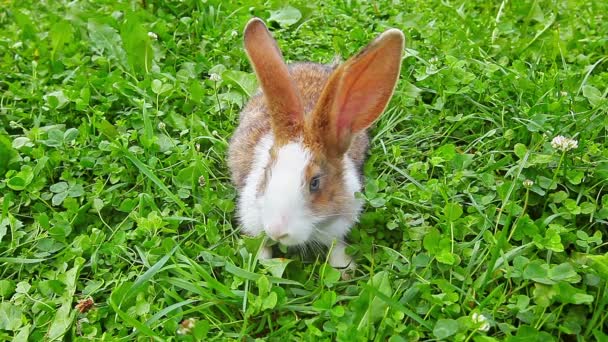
249	209
282	210
285	212
352	184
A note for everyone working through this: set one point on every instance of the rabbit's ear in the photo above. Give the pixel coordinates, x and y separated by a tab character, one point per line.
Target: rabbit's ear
358	92
279	91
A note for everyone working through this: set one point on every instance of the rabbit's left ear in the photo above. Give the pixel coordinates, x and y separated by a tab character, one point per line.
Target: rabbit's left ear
280	93
358	92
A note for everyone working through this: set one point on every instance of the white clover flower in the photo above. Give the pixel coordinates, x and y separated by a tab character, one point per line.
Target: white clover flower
198	147
201	181
215	77
234	33
564	144
528	183
153	35
161	125
481	320
186	326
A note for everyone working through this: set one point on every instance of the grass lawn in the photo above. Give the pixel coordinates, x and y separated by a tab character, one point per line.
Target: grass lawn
117	216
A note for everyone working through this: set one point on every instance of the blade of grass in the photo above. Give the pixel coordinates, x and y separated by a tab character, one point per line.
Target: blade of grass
144	278
22	260
144	169
133	322
396	305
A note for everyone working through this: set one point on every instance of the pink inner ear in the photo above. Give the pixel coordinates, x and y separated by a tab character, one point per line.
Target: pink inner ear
348	112
358	91
365	89
352	98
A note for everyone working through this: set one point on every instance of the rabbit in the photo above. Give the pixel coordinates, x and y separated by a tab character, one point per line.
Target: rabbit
296	157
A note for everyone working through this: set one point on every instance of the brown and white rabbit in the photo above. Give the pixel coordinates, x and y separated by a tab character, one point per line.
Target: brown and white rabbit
297	155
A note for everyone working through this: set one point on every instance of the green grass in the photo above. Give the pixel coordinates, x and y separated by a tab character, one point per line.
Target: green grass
114	186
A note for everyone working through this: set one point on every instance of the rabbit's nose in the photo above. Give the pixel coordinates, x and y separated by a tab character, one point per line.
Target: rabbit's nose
278	230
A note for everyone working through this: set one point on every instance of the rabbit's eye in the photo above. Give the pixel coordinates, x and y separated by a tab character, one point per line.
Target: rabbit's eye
315	182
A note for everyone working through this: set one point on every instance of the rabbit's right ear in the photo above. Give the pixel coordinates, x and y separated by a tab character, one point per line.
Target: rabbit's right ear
280	93
357	93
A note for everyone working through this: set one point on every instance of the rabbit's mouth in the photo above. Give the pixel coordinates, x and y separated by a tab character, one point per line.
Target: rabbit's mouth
293	233
288	241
